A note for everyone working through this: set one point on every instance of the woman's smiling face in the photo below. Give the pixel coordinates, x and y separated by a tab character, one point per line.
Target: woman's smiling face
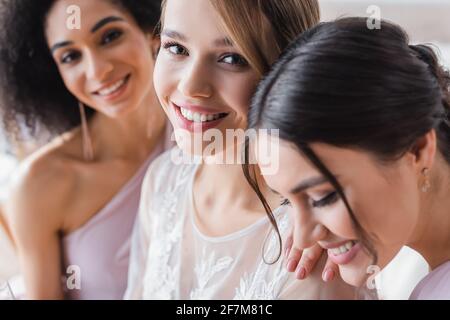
107	64
202	80
384	198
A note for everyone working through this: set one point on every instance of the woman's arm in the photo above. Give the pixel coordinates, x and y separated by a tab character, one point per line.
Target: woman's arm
34	213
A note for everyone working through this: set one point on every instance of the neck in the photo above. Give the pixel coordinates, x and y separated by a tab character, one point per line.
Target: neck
432	235
127	136
233	188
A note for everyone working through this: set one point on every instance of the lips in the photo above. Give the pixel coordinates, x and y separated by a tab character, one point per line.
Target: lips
113	89
196	118
344	252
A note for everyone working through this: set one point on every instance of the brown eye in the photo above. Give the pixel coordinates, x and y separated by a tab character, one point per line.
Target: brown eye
70	57
175	49
110	36
234	59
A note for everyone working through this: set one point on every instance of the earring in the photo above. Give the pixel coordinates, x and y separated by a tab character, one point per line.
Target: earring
426	186
149	124
88	150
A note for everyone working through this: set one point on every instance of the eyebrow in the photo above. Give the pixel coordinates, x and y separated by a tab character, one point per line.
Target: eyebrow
105	21
95	28
62	44
224	42
302	186
308	183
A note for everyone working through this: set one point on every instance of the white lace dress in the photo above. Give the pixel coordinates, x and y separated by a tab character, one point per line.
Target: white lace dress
172	259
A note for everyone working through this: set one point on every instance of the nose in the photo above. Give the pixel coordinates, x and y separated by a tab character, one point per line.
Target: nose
97	67
307	230
195	81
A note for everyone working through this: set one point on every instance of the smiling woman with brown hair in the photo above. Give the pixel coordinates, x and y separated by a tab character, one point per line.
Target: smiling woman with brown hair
202	230
73	204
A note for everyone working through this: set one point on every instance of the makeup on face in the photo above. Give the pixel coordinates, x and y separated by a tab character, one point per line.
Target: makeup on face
202	80
107	64
382	198
196	118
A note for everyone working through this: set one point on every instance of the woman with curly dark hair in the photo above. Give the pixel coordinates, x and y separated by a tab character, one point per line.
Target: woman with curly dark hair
81	69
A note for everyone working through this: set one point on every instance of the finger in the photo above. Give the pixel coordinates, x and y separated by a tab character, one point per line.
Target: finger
288	245
308	261
293	259
330	271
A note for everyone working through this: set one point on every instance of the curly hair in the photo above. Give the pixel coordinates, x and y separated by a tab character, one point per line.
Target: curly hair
32	91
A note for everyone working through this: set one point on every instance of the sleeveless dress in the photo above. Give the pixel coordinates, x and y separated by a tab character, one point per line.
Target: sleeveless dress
98	252
96	255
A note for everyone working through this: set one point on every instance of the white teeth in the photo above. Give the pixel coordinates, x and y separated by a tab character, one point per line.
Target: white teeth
342	249
198	117
111	89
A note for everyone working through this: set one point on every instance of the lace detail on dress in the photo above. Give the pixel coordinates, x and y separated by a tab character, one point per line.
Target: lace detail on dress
208	267
168	221
267	281
179	268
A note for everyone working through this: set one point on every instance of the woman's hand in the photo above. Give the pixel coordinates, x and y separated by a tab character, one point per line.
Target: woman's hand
302	262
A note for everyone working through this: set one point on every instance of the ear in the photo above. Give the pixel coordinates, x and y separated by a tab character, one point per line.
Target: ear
423	151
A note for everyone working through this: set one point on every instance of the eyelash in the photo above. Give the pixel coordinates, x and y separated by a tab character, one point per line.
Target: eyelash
326	201
114	32
108	37
70	55
241	60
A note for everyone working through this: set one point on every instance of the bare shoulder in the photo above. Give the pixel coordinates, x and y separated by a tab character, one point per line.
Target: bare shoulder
41	188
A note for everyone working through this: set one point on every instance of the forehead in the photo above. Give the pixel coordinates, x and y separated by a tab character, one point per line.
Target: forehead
280	162
90	12
193	18
293	166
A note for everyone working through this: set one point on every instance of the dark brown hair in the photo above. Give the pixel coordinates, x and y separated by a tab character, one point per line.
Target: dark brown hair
345	85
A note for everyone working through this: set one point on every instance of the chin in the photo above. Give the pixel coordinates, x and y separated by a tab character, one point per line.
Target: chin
354	276
186	142
117	111
358	271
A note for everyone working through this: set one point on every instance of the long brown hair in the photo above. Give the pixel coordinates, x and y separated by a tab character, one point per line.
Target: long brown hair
261	30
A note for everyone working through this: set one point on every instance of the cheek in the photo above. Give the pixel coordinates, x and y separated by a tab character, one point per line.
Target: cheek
73	80
338	221
389	212
138	54
163	79
237	92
